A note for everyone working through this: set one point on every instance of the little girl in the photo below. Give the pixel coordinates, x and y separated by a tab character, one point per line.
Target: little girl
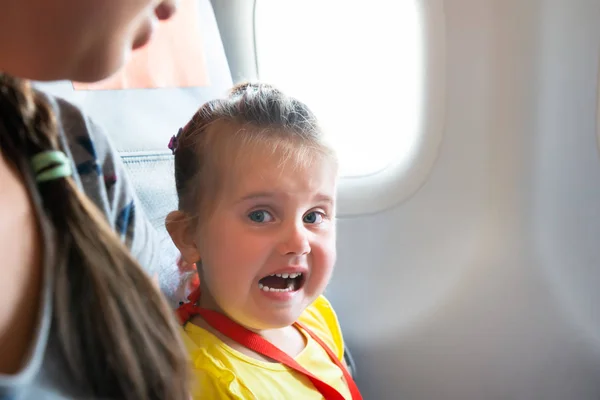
257	200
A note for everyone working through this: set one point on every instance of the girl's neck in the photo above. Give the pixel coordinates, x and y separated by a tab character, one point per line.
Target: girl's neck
288	339
21	271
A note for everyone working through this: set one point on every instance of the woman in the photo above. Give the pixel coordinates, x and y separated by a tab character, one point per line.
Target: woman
79	318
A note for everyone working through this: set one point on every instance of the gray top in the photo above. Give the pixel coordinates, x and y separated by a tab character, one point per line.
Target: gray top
98	170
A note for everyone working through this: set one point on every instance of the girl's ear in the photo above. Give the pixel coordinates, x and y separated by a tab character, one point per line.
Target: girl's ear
181	228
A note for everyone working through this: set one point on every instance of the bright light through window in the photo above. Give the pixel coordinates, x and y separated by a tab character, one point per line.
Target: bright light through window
357	64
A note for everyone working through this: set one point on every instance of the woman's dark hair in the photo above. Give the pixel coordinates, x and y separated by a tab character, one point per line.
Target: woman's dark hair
117	334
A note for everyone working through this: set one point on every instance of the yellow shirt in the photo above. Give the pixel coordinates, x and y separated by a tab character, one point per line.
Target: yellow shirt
221	372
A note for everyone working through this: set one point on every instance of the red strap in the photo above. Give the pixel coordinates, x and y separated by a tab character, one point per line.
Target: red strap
257	343
187	310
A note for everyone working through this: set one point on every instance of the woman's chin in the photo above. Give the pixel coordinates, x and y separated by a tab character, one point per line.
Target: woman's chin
95	72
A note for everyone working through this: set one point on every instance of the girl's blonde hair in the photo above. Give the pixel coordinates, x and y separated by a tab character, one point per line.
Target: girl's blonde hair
224	131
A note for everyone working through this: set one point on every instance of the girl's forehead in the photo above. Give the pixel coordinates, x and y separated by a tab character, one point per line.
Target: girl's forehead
242	160
276	173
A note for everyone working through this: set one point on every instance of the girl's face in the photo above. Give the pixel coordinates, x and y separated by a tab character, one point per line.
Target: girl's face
80	40
267	249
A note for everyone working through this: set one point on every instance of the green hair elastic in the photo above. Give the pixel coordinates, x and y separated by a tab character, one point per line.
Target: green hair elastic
51	165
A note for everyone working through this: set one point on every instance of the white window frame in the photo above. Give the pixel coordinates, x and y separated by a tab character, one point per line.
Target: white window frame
380	191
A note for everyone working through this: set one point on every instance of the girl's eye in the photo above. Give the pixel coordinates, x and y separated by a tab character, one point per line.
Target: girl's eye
313	217
260	216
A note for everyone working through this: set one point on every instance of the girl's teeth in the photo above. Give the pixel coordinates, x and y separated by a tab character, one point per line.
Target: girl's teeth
284	276
270	289
292	275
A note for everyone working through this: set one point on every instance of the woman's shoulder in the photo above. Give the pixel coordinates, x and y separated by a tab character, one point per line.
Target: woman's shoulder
101	175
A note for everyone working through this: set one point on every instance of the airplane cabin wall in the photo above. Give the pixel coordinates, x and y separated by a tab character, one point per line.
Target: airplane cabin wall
483	285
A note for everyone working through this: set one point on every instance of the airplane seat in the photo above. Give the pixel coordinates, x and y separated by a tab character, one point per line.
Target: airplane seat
144	150
140	116
148	160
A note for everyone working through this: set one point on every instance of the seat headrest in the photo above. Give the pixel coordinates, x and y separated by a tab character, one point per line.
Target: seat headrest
141	107
141	121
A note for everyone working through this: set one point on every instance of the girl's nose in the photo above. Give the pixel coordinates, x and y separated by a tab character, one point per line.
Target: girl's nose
295	240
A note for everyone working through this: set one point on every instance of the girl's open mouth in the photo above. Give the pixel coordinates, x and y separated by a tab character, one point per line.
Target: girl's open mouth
282	282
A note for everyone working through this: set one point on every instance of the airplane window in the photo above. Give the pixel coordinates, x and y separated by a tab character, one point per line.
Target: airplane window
358	65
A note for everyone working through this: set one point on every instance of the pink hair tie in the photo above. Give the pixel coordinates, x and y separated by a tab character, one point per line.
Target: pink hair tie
174	142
